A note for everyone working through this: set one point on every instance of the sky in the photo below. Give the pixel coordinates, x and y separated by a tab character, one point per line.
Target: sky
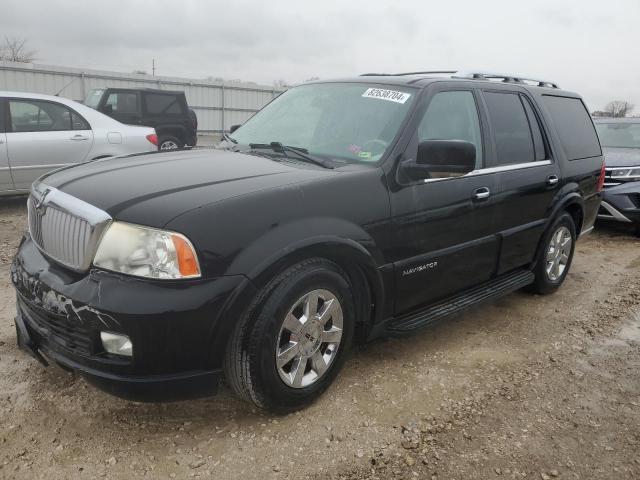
588	46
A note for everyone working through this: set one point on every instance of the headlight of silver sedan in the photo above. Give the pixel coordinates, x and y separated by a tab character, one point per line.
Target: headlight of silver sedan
146	252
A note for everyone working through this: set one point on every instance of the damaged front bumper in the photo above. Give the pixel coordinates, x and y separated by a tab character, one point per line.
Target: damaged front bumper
172	324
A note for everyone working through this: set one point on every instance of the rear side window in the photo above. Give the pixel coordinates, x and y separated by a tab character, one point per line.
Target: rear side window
160	104
511	130
43	116
575	128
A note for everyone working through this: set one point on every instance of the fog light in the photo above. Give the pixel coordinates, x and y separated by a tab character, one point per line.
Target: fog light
116	343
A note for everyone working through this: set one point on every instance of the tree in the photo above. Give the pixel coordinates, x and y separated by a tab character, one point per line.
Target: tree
618	108
15	50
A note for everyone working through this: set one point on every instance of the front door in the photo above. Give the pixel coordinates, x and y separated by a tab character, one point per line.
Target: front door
443	230
42	136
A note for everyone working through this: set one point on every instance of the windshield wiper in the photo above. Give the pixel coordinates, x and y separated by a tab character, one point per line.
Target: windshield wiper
302	153
226	137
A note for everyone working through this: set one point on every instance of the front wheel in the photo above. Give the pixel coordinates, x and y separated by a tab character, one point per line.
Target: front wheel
555	255
293	339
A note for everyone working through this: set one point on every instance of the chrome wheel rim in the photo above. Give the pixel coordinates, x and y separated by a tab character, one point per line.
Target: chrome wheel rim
309	338
168	145
558	253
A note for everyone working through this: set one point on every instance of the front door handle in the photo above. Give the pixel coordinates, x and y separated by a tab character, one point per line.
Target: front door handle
79	138
552	180
481	193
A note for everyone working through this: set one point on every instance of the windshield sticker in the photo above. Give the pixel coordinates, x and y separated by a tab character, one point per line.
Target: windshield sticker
390	95
365	155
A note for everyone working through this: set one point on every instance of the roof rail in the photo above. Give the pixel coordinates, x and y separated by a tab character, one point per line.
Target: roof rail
432	72
505	78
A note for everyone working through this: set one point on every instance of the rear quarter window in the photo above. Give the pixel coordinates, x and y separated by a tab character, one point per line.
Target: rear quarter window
574	126
163	104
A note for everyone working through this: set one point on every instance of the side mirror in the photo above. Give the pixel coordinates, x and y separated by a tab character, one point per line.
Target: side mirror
449	157
233	128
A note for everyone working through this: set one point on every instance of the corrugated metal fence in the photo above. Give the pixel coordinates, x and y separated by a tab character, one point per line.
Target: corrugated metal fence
217	104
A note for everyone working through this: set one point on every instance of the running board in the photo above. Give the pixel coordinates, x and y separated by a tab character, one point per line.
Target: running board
490	290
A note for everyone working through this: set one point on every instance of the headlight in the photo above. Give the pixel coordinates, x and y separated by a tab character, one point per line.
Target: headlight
146	252
626	173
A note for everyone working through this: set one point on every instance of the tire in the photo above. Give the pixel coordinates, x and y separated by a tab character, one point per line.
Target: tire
550	273
251	366
169	142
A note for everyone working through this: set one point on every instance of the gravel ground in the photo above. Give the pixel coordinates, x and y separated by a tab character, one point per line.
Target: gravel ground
525	387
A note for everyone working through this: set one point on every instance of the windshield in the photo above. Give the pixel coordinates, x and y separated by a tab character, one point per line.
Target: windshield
344	121
622	135
93	98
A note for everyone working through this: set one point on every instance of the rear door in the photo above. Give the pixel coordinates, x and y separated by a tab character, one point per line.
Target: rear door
526	175
6	182
443	232
43	135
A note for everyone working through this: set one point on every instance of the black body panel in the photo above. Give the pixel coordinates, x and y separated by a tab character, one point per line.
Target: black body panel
424	247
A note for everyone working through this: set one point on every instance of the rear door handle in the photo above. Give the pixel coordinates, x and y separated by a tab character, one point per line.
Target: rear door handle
553	180
481	193
79	138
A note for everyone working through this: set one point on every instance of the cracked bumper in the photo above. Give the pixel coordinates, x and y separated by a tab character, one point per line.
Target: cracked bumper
173	326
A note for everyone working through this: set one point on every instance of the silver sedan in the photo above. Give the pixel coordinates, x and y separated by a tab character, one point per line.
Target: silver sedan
39	133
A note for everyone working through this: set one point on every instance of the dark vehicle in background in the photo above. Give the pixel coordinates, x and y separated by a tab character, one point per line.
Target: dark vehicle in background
343	211
166	111
620	139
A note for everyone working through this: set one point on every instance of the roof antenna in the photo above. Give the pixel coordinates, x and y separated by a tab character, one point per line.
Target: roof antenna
65	87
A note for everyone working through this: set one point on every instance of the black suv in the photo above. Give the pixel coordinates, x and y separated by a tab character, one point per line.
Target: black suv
620	139
343	211
164	110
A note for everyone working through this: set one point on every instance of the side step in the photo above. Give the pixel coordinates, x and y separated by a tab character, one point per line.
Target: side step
490	290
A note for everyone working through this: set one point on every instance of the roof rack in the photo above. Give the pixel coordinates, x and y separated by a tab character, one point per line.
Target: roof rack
472	76
432	72
503	77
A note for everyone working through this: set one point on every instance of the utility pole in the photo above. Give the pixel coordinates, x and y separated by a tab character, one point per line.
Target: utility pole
153	67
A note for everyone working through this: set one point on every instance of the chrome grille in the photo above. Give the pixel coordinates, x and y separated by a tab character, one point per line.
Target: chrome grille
65	228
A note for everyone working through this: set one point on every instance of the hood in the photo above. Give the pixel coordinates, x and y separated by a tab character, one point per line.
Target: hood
621	157
151	189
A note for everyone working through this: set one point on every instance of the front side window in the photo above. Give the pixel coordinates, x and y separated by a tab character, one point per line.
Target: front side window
347	122
122	102
452	116
619	135
510	126
42	116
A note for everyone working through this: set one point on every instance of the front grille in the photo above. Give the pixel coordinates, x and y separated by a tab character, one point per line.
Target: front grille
59	330
65	228
59	234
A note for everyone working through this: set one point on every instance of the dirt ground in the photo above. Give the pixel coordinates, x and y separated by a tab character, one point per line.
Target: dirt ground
526	387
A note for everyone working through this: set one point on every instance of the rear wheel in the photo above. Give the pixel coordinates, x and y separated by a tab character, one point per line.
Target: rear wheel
169	142
555	255
292	341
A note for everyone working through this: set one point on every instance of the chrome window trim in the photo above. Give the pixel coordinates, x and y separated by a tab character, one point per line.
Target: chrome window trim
99	220
501	168
35	167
